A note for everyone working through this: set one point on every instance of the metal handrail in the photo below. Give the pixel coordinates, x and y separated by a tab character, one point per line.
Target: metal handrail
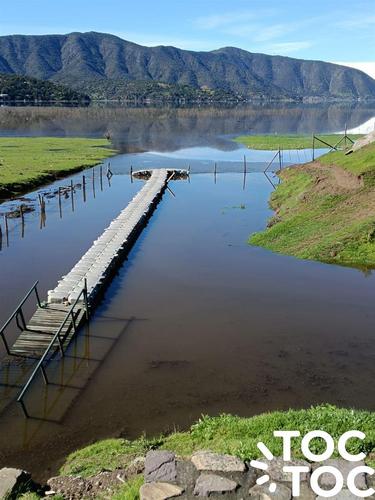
57	337
17	311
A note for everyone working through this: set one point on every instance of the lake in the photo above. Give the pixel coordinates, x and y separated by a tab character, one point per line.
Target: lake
196	321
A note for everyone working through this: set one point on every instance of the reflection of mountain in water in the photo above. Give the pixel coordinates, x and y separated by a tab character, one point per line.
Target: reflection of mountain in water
169	129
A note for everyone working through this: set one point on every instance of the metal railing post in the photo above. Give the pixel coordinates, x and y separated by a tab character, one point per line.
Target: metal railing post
22	318
52	345
73	321
86	299
37	295
60	344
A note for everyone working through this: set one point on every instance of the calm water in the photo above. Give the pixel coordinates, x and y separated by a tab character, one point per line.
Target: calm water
196	321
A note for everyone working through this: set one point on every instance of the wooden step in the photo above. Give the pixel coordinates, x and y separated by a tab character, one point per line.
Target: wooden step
42	327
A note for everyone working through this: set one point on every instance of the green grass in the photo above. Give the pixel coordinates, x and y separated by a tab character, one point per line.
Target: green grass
130	490
359	162
229	434
274	142
28	162
311	224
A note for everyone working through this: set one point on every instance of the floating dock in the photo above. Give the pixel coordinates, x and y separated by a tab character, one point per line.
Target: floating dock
55	323
97	264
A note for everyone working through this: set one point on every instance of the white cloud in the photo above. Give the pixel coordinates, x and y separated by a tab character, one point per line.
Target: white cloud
283	48
354	22
216	21
366	67
274	31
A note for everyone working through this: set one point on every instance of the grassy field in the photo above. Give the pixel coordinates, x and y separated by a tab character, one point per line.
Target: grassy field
229	434
274	142
326	210
225	434
28	162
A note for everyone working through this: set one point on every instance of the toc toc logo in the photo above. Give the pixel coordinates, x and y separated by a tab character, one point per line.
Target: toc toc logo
297	470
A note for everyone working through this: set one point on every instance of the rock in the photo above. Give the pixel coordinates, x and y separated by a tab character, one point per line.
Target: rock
261	492
343	495
159	491
275	469
306	493
211	483
160	466
13	482
327	481
137	466
206	460
187	474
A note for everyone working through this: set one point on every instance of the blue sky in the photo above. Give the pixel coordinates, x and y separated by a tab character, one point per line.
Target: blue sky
331	30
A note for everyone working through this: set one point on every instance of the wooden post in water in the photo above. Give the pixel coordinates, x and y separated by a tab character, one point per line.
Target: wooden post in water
109	171
131	174
60	206
215	170
6	229
84	188
93	181
22	221
280	162
101	177
42	204
72	193
244	164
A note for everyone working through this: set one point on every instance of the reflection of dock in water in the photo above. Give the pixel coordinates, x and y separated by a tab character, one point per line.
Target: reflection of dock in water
68	376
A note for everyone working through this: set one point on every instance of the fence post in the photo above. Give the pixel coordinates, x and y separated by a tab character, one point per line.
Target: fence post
313	148
84	188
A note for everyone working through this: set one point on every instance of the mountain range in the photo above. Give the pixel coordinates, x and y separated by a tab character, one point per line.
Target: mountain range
104	66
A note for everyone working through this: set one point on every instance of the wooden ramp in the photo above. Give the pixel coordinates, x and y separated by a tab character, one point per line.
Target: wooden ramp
42	327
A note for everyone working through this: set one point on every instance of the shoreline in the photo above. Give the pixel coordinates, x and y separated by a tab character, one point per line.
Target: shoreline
35	156
324	211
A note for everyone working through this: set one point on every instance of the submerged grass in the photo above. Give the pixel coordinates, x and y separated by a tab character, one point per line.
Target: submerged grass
274	142
26	162
322	218
230	434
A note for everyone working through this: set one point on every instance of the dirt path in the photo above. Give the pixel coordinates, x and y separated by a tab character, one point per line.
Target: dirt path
330	179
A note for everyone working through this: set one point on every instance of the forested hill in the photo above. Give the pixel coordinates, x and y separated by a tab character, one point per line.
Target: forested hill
96	60
21	88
